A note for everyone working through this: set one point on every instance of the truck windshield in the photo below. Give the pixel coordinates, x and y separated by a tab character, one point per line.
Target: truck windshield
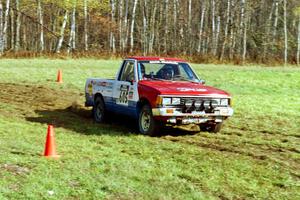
158	70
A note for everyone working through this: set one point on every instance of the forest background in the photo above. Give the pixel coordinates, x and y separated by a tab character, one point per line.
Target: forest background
235	31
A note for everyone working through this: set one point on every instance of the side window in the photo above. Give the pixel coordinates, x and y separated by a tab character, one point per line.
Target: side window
127	73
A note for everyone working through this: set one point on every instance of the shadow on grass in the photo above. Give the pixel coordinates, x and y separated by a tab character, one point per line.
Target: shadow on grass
80	120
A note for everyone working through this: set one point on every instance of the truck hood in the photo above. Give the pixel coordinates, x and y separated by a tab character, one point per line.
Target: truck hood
183	88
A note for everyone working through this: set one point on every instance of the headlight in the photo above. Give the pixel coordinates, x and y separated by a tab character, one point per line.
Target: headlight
175	101
224	102
188	103
214	103
206	103
198	104
166	101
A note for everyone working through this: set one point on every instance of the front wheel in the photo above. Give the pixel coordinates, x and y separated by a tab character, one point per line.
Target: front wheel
146	122
211	127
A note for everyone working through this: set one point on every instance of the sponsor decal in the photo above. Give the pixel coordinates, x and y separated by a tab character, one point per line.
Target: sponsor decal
103	84
130	96
191	90
123	97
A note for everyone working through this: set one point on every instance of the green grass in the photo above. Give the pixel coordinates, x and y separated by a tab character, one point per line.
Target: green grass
255	156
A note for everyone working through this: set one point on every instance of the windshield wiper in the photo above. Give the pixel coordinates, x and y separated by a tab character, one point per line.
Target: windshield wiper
158	79
183	78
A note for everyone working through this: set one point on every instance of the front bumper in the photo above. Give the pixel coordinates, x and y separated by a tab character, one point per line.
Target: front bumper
175	116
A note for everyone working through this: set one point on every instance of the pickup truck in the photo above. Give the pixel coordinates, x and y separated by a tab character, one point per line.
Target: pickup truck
159	91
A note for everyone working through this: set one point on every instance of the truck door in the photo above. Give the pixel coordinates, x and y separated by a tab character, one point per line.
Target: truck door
125	89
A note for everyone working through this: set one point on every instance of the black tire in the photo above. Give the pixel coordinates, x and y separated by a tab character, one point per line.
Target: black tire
99	113
211	127
146	123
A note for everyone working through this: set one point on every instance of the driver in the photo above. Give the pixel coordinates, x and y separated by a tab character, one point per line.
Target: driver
167	72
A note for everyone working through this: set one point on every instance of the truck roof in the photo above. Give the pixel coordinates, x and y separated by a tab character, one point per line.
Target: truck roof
143	58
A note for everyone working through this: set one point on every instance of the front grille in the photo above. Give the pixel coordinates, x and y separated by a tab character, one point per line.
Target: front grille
190	104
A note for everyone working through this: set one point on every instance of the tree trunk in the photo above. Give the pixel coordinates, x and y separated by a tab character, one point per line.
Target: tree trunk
217	34
40	15
62	31
132	26
275	23
125	31
12	29
166	26
244	21
201	26
213	27
24	30
145	25
189	41
268	29
174	44
120	24
1	29
72	40
112	35
6	17
226	30
86	47
298	49
152	29
285	34
18	26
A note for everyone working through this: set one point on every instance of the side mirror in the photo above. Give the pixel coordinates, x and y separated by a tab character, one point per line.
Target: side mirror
202	82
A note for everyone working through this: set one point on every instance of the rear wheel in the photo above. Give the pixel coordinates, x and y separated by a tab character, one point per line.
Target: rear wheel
146	122
211	127
99	112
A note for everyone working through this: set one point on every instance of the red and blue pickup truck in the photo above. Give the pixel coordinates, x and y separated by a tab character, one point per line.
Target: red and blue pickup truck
158	91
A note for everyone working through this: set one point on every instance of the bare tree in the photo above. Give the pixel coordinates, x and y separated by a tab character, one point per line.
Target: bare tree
18	26
244	25
268	29
12	29
189	45
175	2
298	49
120	24
132	25
62	32
152	27
275	23
285	33
85	8
213	27
1	29
41	21
112	35
145	27
166	26
6	17
226	30
72	39
203	10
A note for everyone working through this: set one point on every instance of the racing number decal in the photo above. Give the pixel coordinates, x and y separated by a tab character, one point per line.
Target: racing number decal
123	98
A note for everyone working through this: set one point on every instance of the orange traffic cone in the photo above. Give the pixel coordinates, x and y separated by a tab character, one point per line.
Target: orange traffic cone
50	149
59	76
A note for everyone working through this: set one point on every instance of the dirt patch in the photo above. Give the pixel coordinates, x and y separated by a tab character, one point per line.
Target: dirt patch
23	100
15	169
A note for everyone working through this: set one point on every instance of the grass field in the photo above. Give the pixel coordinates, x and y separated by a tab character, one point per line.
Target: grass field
255	156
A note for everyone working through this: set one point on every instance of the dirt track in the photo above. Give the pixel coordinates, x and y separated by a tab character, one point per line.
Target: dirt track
65	109
26	99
